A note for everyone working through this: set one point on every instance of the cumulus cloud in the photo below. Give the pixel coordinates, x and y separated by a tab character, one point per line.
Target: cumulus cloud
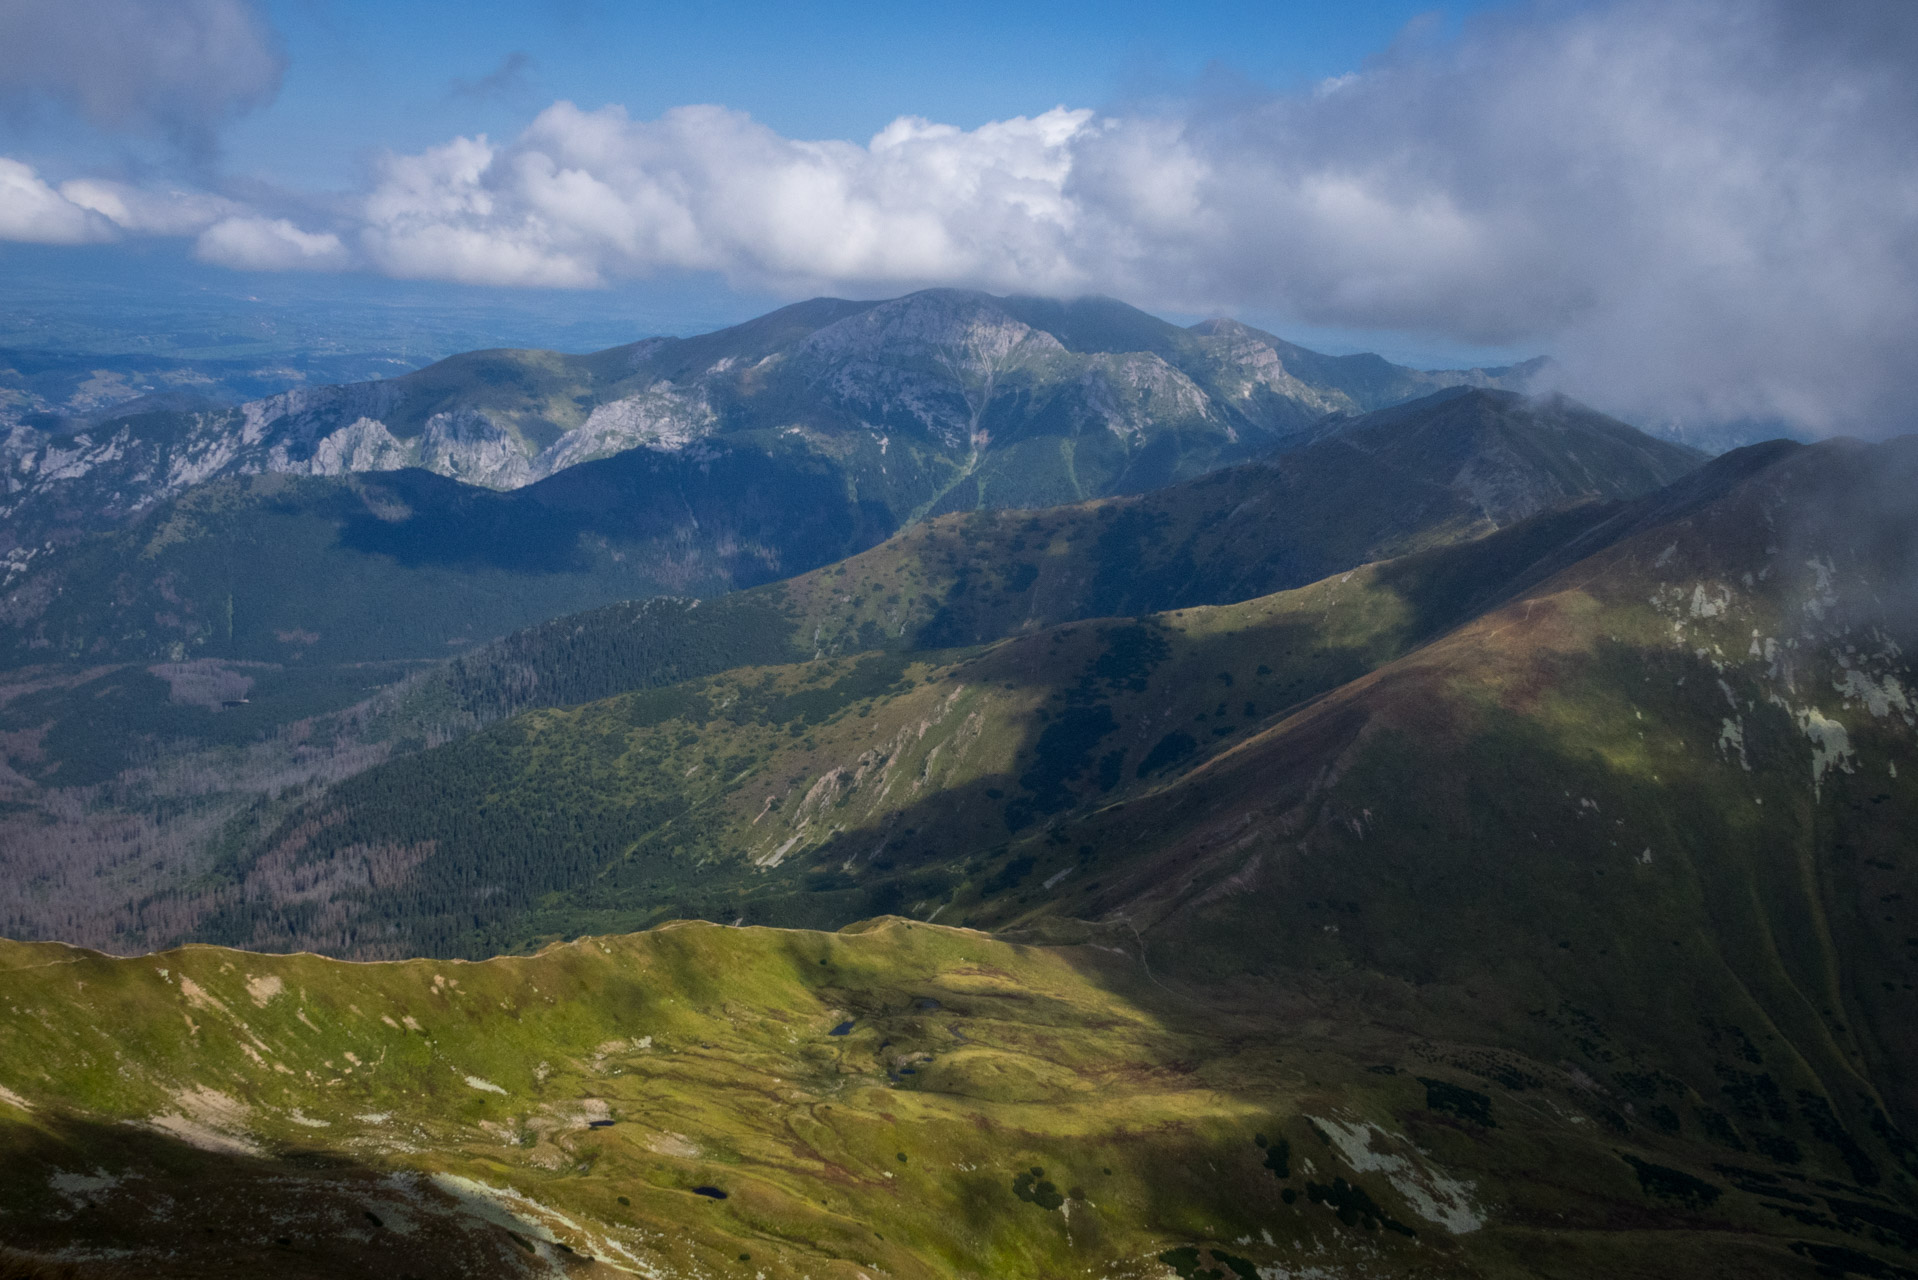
249	243
581	196
146	210
174	68
87	210
1705	208
34	212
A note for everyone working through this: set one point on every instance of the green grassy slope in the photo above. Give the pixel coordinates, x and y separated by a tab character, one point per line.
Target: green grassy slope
825	791
975	578
1568	936
1446	469
1648	818
903	1100
735	796
1651	821
404	565
303	595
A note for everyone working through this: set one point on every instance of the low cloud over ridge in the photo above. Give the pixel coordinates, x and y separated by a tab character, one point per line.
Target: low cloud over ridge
1706	208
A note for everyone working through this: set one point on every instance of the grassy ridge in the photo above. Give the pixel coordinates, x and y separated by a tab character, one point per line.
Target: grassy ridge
1646	818
826	791
1552	920
977	578
1649	820
298	583
903	1098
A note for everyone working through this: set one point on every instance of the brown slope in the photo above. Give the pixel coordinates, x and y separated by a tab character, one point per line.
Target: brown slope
1651	820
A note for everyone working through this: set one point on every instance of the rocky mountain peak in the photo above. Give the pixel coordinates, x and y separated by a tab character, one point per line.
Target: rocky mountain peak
1012	401
955	327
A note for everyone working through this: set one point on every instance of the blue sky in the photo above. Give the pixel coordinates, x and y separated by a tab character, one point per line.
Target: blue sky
363	78
1700	208
365	75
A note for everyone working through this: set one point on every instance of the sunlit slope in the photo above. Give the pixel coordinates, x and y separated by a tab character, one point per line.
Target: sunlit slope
903	1100
978	578
1567	936
278	592
826	791
1652	821
1440	470
1649	819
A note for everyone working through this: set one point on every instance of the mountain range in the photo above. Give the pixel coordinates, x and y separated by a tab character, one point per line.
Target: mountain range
1458	836
408	565
1527	904
226	624
940	397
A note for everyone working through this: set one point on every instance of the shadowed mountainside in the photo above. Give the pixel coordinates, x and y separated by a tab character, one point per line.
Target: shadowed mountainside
1687	752
903	1099
1535	904
1369	490
278	568
272	605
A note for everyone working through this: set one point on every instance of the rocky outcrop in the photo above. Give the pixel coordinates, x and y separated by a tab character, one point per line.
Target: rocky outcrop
964	375
661	417
467	445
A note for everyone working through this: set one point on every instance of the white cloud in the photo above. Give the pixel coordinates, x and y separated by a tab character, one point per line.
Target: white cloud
88	210
174	68
583	196
32	211
1706	208
169	212
247	243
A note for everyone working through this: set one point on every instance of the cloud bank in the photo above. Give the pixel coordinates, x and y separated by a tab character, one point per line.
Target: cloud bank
1706	208
581	196
33	212
248	243
172	68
